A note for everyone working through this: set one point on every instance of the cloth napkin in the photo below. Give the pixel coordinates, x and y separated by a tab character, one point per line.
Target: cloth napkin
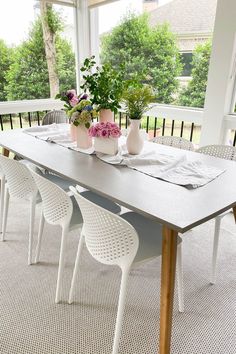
58	134
177	170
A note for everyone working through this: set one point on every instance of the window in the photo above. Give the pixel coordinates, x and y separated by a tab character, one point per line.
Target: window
186	59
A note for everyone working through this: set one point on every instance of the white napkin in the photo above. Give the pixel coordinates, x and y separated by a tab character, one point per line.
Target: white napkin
58	134
167	167
188	174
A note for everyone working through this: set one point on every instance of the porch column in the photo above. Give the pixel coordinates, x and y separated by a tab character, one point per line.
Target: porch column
218	101
87	40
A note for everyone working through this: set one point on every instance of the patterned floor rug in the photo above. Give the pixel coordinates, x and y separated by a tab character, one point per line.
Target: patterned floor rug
31	323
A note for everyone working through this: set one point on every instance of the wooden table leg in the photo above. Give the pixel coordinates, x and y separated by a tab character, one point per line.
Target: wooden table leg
234	211
5	152
169	249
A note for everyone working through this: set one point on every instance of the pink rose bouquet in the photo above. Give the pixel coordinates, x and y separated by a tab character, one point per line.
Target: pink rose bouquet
105	130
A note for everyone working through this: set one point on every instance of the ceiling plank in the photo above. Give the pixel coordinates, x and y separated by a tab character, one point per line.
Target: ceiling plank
95	3
71	3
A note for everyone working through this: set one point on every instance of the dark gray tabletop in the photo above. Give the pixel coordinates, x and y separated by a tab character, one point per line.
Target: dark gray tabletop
175	206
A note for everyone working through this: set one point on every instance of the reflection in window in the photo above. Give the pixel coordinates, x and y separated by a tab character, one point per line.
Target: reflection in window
186	59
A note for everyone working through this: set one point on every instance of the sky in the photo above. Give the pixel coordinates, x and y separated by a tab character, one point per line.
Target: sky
16	17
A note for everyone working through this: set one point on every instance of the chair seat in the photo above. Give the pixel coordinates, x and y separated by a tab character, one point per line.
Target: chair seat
150	235
59	181
102	202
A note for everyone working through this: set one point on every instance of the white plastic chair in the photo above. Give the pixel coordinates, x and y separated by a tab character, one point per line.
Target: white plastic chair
21	185
60	209
174	141
120	240
2	191
55	116
228	153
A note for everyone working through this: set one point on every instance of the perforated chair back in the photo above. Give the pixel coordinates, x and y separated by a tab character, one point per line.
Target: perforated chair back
174	141
109	239
226	152
19	179
56	116
57	205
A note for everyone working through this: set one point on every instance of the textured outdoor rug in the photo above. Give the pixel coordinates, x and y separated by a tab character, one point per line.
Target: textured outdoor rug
31	323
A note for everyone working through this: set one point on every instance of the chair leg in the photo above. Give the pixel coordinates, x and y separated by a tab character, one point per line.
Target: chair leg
5	213
3	181
40	234
76	268
31	229
120	310
180	278
215	248
65	230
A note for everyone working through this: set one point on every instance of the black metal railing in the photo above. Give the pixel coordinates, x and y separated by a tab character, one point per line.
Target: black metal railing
21	120
154	126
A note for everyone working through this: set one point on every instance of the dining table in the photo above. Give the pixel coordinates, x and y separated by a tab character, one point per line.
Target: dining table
176	207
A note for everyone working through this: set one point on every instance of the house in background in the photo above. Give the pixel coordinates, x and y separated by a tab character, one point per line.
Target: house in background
192	21
150	5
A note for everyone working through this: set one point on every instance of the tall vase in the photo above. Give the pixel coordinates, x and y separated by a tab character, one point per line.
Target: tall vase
73	132
134	140
84	141
106	115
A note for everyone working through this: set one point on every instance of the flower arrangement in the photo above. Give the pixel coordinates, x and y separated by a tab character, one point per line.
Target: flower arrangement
78	108
136	100
104	84
105	130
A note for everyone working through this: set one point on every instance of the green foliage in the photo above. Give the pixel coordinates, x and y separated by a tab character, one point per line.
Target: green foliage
149	55
65	64
194	94
105	85
137	99
28	74
54	20
5	61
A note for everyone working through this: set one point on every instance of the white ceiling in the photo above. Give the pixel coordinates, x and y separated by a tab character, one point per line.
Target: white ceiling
91	3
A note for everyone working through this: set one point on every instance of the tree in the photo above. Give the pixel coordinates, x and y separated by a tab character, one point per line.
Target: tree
50	25
28	74
5	55
194	94
150	55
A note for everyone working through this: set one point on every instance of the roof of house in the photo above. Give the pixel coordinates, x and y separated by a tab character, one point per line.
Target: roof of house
186	16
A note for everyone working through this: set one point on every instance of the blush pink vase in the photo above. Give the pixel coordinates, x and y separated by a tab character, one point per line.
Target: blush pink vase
106	115
73	132
84	141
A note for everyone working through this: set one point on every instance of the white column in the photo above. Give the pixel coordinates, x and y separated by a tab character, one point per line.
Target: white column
83	41
221	74
94	33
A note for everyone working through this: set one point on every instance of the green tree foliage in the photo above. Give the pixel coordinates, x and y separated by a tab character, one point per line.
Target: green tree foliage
28	74
149	55
194	94
5	61
65	64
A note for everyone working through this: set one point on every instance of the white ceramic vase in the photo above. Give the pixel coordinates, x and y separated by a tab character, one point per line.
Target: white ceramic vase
106	115
84	141
134	140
